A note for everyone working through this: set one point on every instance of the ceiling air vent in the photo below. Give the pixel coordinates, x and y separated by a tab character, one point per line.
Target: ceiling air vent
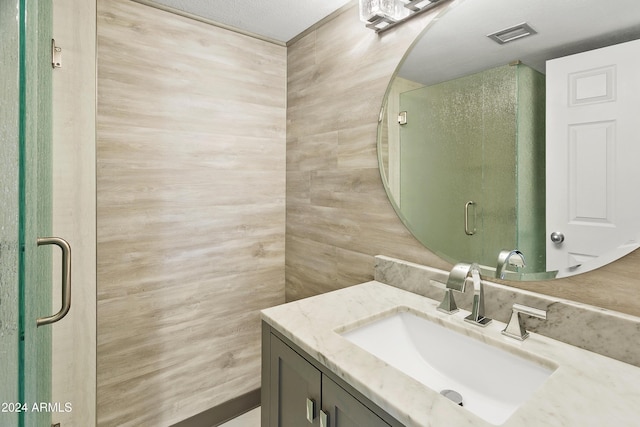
512	33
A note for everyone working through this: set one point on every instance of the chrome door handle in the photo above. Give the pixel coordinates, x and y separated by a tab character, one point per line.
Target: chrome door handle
66	279
467	231
557	237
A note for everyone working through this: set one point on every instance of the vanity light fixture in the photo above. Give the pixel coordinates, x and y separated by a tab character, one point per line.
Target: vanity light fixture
381	15
510	34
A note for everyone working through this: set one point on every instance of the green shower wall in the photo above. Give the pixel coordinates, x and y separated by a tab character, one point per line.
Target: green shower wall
530	155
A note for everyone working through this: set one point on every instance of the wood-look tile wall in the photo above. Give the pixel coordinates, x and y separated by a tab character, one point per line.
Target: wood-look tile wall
338	216
191	211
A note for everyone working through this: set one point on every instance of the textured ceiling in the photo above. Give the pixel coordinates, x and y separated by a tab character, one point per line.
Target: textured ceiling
279	20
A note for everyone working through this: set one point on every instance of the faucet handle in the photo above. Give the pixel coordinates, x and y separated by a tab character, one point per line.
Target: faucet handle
515	329
448	304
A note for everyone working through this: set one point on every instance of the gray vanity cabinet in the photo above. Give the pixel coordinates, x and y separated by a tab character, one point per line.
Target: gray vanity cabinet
297	391
293	380
344	410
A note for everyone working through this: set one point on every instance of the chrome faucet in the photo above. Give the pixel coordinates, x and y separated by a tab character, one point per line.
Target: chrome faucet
505	258
457	282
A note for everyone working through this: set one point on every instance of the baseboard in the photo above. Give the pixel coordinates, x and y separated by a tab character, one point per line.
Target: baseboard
224	412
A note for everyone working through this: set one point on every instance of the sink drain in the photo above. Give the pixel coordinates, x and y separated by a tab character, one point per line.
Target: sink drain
452	395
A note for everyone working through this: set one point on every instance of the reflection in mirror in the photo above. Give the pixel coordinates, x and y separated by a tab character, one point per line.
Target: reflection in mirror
486	146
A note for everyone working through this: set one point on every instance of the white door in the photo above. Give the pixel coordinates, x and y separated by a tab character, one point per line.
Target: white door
593	157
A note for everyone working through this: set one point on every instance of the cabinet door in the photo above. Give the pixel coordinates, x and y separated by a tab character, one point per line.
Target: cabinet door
344	410
293	382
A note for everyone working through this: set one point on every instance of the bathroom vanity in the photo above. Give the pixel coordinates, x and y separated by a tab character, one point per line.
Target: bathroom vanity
314	374
308	393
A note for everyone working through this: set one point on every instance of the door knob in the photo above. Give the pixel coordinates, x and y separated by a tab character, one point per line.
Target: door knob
557	237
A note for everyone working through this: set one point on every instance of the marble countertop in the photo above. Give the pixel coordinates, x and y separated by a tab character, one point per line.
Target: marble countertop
586	389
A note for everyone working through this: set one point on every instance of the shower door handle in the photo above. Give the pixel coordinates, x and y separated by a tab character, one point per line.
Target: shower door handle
467	230
66	279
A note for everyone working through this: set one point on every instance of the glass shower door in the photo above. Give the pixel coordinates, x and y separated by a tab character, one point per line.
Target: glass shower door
25	212
441	193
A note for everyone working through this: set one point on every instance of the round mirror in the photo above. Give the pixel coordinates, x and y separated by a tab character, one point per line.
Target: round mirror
512	125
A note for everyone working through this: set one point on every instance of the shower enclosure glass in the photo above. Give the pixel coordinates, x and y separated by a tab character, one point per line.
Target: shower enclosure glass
25	211
472	165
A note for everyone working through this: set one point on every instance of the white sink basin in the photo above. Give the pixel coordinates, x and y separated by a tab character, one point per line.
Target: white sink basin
493	382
